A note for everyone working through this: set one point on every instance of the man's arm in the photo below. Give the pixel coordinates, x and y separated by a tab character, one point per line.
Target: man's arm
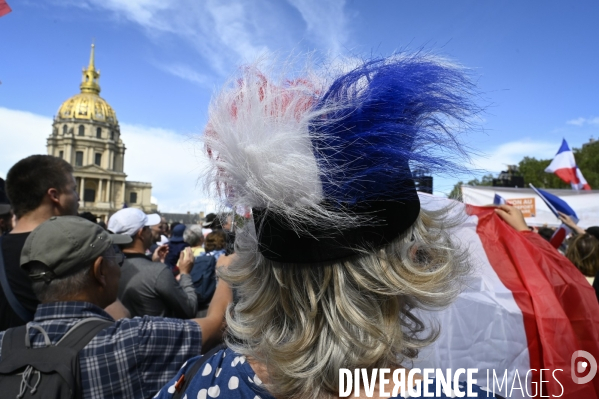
213	324
179	296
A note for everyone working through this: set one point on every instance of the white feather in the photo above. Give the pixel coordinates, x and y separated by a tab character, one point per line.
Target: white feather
261	153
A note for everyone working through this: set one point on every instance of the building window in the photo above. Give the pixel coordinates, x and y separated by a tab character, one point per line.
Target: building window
89	195
61	154
81	130
99	133
112	135
98	160
79	158
64	129
133	198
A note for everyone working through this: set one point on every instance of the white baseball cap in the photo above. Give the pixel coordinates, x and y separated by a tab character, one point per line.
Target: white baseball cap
130	220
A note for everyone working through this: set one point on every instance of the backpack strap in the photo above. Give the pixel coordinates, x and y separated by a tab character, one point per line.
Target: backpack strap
16	306
186	378
83	332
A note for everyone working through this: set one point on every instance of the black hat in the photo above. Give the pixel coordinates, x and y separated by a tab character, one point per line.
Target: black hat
212	221
594	231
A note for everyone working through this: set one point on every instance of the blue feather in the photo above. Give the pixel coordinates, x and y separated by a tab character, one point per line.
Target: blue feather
386	116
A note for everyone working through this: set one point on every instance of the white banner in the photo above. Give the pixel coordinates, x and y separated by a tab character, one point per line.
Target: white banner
584	202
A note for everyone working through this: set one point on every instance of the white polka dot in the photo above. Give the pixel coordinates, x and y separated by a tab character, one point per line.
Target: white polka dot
185	397
242	359
214	391
207	370
202	394
250	380
218	370
184	364
257	380
157	394
233	382
171	389
224	353
235	361
257	397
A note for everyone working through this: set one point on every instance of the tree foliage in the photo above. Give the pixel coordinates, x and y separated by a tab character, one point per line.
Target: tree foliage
456	192
533	171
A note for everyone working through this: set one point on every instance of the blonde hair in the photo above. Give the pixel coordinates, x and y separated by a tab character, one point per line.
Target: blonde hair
304	322
583	251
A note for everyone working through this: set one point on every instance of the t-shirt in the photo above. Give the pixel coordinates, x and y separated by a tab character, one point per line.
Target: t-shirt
19	282
149	288
229	375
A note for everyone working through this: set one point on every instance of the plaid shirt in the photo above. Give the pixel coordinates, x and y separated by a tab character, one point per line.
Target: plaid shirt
133	358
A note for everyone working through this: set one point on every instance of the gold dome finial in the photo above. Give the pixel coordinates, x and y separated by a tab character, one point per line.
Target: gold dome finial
90	82
91	58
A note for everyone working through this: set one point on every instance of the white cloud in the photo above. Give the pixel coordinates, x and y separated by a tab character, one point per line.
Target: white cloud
227	32
21	134
512	152
188	73
584	121
326	22
168	160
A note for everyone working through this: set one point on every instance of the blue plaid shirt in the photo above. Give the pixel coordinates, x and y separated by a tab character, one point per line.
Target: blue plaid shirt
133	358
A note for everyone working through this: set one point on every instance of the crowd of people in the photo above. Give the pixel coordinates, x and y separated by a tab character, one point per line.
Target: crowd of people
318	279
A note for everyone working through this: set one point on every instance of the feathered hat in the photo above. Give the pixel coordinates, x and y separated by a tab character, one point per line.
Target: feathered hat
324	160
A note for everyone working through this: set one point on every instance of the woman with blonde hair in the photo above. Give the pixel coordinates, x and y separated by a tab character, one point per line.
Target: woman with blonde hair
340	254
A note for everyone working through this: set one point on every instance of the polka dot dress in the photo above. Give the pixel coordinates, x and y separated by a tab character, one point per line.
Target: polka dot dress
224	375
228	375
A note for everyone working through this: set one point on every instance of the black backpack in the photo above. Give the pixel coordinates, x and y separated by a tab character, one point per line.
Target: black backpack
48	372
203	276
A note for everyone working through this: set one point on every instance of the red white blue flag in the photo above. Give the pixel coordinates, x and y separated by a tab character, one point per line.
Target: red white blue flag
4	8
564	166
523	318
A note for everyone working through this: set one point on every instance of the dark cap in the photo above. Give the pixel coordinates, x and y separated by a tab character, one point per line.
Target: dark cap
211	221
177	233
66	242
594	231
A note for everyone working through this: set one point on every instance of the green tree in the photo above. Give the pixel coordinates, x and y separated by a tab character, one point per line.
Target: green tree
587	159
533	171
456	192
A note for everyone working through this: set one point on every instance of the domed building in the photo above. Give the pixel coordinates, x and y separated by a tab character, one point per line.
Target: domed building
86	133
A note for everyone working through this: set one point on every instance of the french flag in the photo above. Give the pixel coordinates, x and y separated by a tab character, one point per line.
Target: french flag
564	166
525	308
499	200
556	204
4	8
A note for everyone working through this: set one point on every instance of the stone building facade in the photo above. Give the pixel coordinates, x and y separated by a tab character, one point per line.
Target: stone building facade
86	133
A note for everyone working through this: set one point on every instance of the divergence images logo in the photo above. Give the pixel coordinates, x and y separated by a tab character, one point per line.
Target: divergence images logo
582	366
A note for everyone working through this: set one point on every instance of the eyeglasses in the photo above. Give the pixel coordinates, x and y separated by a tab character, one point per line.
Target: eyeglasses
118	257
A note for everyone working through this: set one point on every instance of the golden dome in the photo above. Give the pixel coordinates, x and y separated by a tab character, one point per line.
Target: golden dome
88	105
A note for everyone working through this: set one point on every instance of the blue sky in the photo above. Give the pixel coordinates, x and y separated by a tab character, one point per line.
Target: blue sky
536	64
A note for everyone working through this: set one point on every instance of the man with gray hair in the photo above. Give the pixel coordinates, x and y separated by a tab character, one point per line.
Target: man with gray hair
75	269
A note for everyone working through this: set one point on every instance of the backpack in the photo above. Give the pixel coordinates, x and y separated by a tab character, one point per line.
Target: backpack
51	371
203	275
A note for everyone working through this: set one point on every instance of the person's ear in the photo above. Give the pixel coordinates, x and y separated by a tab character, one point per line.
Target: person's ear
99	271
139	234
53	195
